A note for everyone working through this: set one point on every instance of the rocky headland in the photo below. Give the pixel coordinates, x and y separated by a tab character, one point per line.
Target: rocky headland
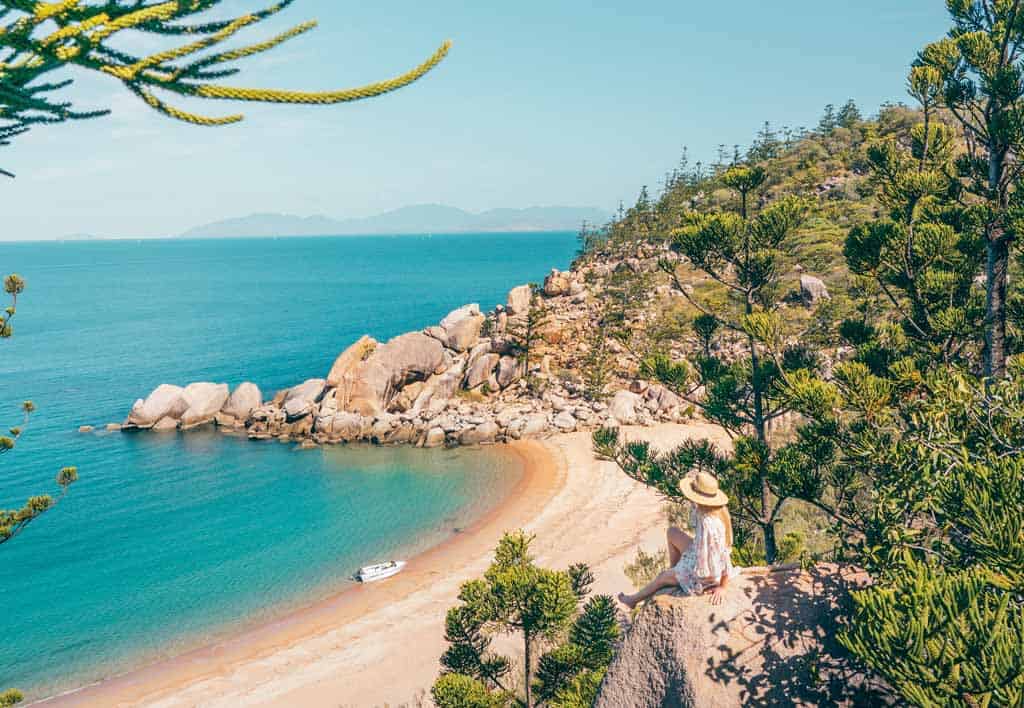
463	381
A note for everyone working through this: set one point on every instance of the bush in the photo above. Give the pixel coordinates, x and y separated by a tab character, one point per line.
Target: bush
458	691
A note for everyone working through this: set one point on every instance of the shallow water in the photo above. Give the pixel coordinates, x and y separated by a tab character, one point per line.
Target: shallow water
170	539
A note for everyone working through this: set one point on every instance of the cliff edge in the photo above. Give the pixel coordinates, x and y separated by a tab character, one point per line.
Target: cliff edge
770	643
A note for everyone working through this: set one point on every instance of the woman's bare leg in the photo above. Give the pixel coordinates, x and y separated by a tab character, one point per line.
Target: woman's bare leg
678	543
666	578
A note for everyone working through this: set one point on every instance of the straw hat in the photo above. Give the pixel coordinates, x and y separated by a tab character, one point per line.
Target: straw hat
703	489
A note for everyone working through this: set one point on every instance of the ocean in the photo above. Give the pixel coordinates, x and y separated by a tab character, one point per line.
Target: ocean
170	540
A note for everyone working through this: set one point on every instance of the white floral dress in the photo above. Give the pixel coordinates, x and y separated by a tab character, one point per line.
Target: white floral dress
708	558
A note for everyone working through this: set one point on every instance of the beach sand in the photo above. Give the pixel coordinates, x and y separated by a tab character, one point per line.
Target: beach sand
379	644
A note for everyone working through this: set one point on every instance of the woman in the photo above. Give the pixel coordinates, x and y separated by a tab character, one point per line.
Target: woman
703	564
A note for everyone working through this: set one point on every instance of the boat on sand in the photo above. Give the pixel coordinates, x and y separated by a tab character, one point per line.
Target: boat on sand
379	571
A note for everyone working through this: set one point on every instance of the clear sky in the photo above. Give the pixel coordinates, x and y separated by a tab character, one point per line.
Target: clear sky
541	102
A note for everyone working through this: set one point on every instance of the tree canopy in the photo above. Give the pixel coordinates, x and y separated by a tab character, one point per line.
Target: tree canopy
38	39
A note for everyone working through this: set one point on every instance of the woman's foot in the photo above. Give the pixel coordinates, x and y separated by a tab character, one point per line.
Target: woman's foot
627	600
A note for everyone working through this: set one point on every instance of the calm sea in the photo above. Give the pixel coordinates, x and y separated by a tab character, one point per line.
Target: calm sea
169	540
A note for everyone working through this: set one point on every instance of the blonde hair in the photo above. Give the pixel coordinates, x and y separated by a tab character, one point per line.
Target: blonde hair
722	514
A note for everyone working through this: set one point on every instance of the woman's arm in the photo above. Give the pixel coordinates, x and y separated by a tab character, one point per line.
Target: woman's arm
718	591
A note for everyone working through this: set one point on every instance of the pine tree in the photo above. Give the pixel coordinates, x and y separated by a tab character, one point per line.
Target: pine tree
766	145
924	254
828	121
849	115
936	505
38	38
979	66
597	365
539	605
526	331
744	254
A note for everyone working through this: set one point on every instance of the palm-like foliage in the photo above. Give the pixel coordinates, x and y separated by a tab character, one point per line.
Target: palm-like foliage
14	521
40	38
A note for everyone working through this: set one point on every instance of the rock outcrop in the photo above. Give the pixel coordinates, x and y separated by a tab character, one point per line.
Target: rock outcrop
204	401
772	642
461	328
371	386
243	401
813	290
557	283
518	301
350	358
624	407
456	383
298	401
166	400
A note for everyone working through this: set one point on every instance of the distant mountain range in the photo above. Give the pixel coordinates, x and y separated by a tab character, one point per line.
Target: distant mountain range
424	218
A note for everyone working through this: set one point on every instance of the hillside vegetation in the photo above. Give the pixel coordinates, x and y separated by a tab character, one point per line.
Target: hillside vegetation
829	299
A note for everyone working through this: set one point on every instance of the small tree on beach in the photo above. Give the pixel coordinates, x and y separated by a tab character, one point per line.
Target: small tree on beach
542	606
39	38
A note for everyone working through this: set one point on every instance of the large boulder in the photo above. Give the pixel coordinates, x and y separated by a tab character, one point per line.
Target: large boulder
508	370
243	401
529	426
370	387
343	426
298	402
462	327
565	421
661	399
772	642
812	290
165	401
166	425
518	301
623	407
435	438
204	402
557	283
484	433
350	358
482	370
440	389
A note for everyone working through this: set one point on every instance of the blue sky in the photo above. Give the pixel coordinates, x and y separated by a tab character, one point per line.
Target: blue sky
539	103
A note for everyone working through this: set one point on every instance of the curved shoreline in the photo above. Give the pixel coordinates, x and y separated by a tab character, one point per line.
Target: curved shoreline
380	645
541	479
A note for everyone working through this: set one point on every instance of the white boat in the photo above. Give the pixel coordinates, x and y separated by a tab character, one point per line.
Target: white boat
379	571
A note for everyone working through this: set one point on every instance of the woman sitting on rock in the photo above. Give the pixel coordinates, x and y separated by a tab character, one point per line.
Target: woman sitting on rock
703	564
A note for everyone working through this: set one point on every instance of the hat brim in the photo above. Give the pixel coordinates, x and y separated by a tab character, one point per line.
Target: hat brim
718	499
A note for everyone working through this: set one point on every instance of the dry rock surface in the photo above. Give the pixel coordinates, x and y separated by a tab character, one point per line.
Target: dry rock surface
462	381
770	643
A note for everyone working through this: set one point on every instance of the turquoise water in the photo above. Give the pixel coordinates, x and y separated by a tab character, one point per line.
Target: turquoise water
168	540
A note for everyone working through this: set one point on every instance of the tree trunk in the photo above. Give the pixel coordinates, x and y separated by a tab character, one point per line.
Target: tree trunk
996	271
527	669
771	550
760	429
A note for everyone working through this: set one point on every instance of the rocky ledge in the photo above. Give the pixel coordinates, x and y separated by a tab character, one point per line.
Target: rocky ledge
772	642
462	381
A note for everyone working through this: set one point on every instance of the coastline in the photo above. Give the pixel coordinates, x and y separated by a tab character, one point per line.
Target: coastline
345	650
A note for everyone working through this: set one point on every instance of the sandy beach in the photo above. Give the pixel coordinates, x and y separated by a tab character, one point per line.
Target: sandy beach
379	644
